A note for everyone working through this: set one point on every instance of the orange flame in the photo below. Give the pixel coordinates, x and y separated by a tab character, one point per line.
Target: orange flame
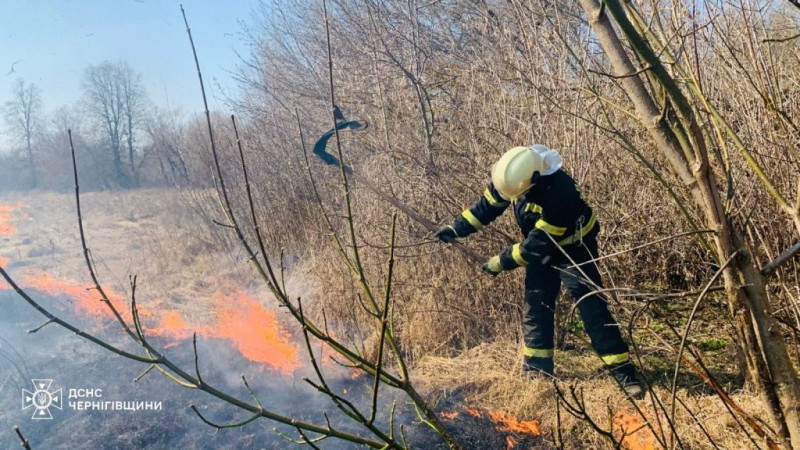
510	443
240	319
449	415
171	325
507	422
638	435
88	301
6	228
255	331
4	264
474	413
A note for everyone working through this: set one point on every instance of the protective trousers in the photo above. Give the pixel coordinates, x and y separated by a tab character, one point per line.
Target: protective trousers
542	285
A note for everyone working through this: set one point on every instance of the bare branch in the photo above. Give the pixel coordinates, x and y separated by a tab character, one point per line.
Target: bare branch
34	330
777	262
383	324
23	442
689	321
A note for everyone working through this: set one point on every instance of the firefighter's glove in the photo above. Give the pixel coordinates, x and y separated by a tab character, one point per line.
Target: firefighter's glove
446	234
492	266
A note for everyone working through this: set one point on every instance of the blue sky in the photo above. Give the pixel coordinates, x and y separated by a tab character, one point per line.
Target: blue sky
51	42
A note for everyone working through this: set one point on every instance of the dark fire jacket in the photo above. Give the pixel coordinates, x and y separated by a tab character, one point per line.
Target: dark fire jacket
552	212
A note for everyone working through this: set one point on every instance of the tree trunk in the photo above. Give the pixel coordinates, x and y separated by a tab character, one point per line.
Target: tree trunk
34	181
134	172
766	358
119	170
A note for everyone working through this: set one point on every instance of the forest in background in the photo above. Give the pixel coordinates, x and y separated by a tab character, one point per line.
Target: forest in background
447	87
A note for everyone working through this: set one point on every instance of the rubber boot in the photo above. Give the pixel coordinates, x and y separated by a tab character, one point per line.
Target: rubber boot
538	366
628	378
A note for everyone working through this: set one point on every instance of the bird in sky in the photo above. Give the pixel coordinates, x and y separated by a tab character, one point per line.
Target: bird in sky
12	67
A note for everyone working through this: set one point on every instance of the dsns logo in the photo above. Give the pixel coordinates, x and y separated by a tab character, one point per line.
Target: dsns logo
41	399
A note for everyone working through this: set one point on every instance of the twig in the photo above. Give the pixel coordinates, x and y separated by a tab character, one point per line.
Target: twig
310	442
618	77
733	409
432	419
559	437
23	442
698	422
345	183
149	368
777	262
283	272
69	326
149	349
383	322
655	296
225	425
578	410
391	419
86	254
786	39
252	394
343	404
413	244
216	222
658	405
689	324
196	359
638	247
375	314
253	217
49	321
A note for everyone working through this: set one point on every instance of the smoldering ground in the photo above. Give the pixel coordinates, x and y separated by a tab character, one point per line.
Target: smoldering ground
74	363
239	333
185	286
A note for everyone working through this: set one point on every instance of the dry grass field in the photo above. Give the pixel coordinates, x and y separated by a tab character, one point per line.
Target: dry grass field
184	268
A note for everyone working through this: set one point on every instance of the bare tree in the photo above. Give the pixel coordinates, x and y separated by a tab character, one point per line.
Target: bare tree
22	114
166	135
133	108
685	143
115	97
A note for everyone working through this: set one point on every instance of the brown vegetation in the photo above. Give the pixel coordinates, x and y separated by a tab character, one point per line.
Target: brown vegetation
447	87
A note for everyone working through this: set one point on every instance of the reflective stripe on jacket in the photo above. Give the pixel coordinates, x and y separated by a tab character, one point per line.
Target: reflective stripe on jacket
553	208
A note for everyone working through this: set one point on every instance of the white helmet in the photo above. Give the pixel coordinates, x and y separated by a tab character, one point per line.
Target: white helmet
512	173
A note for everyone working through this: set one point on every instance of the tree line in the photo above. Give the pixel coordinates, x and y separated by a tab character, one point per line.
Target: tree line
114	122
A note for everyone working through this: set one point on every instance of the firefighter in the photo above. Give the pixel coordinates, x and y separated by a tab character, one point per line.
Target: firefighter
560	239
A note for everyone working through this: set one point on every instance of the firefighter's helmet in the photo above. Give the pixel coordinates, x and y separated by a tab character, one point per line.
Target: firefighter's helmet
513	173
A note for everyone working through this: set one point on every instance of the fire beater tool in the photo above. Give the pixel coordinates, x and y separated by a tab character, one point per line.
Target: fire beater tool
327	158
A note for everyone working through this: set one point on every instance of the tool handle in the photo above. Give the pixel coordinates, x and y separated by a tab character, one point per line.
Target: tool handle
432	227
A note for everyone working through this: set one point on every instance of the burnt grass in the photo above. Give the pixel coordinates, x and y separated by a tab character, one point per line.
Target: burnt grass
75	363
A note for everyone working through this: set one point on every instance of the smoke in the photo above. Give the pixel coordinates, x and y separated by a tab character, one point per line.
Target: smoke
244	339
6	227
238	318
238	332
74	363
238	335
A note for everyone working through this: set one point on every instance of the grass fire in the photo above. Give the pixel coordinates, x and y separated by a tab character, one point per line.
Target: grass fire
400	225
